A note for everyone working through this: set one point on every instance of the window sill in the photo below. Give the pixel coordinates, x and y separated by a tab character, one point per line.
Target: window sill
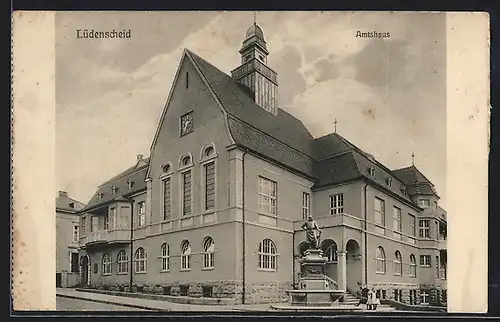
397	274
107	274
122	273
426	266
380	273
185	270
267	270
207	268
165	271
141	272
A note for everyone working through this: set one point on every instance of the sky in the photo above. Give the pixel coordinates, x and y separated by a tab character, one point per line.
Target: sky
388	95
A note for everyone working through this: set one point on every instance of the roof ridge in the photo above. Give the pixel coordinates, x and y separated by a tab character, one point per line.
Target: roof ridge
124	172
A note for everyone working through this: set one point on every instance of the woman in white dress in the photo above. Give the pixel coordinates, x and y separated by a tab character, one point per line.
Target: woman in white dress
369	303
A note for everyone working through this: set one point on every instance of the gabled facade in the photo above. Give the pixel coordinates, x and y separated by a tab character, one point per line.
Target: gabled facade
67	237
217	208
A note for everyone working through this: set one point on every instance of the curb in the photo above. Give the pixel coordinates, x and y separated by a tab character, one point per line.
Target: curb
135	306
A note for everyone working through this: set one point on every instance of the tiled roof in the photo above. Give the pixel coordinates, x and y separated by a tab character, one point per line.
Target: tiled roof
67	204
329	159
135	174
415	181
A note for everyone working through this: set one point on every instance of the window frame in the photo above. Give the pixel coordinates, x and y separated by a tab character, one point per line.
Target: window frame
424	230
185	255
165	257
106	264
336	205
265	187
268	253
138	260
306	205
76	232
398	263
122	261
413	266
208	254
141	216
380	261
423	261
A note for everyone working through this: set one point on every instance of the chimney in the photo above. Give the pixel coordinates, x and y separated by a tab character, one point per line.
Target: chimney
63	194
139	157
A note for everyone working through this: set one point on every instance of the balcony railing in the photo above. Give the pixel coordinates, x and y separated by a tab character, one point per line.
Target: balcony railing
106	236
442	243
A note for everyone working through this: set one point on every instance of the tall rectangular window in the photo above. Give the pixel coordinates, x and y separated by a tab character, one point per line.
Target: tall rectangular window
94	224
412	223
167	206
209	185
141	213
106	221
337	204
75	234
186	193
268	196
74	263
437	266
424	229
112	218
306	205
379	212
396	224
84	219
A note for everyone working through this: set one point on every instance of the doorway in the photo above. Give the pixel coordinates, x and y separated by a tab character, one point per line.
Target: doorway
354	265
85	271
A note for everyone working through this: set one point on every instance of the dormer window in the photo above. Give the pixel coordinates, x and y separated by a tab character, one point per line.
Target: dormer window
99	196
130	184
72	205
371	171
113	189
389	182
403	191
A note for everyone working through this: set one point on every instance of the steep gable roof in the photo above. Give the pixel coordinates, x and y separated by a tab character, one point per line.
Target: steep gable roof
416	181
135	174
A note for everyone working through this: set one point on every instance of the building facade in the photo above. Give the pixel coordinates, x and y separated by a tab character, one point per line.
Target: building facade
216	209
67	240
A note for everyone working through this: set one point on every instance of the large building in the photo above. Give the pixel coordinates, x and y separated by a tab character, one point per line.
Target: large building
216	209
67	240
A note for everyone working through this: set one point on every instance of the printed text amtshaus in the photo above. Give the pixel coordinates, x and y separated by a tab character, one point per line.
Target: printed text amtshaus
96	34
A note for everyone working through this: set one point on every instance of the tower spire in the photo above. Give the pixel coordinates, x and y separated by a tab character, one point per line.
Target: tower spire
255	17
413	158
335	125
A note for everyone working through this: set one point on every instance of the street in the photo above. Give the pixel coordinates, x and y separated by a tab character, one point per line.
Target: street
67	304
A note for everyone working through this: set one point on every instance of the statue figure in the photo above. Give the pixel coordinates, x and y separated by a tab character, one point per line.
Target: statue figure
313	232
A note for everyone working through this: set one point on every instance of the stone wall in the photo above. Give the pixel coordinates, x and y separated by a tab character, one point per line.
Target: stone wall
436	296
270	292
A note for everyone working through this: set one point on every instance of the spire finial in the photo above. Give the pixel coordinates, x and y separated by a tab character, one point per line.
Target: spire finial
413	158
335	125
255	17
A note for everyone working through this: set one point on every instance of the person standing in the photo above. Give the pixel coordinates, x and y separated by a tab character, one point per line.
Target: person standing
376	299
370	302
364	295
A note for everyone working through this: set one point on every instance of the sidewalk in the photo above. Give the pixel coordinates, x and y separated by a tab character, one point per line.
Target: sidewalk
156	305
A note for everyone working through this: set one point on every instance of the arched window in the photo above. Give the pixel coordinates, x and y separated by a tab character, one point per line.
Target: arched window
166	168
330	250
140	260
208	255
165	257
413	266
267	255
380	260
122	261
398	265
186	160
106	264
185	254
209	151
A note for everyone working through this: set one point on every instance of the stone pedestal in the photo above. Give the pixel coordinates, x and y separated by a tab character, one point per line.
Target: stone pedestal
314	287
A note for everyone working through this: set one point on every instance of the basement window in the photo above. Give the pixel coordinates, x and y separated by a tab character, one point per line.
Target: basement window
208	291
183	290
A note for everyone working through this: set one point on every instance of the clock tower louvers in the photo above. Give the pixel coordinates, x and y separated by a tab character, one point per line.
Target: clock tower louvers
254	73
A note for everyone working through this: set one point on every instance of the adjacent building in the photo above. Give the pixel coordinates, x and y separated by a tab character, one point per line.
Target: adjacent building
67	240
216	209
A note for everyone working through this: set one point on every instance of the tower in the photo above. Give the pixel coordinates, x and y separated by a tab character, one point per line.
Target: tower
254	72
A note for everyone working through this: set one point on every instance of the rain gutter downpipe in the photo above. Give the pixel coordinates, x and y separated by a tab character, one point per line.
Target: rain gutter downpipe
243	259
366	234
131	244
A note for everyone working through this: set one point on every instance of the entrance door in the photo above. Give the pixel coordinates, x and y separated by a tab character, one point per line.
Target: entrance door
58	280
85	270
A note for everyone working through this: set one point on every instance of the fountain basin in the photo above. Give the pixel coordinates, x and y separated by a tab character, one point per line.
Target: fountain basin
319	298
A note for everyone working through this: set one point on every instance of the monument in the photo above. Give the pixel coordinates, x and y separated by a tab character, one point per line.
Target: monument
316	289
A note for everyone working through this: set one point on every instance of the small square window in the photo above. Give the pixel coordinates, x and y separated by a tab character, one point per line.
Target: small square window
208	291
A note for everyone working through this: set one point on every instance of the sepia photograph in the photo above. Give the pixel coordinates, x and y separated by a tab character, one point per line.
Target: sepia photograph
244	161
